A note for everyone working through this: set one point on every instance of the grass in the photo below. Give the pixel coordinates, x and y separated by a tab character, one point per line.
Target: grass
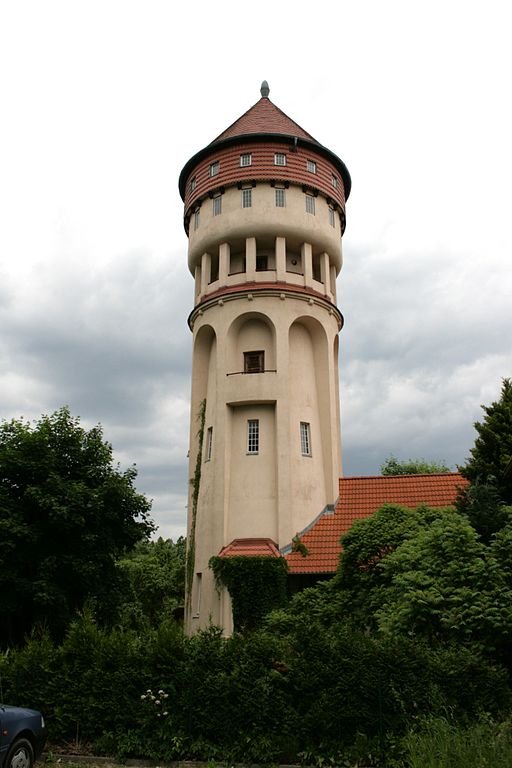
439	744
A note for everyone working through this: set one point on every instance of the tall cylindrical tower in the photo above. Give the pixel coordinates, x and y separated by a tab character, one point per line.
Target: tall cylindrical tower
264	214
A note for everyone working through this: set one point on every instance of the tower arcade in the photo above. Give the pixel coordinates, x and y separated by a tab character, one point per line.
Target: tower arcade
264	211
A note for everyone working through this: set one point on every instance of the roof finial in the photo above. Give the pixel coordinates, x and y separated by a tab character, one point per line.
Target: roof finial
264	90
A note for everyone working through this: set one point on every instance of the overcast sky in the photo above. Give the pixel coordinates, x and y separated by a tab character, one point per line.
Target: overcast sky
101	104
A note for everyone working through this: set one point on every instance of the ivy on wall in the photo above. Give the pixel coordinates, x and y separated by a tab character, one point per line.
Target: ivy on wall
195	482
256	585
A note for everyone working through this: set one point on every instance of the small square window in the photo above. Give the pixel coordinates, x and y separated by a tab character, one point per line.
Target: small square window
335	182
305	438
193	184
209	443
279	158
196	218
254	362
280	198
253	436
311	166
217	205
214	168
246	198
332	217
245	160
310	204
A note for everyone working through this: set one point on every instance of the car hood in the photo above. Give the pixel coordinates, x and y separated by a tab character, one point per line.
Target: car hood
23	711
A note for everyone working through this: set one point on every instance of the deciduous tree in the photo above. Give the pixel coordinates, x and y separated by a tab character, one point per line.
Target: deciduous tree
394	466
66	513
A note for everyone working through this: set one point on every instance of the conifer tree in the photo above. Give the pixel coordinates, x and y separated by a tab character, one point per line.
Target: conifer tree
491	456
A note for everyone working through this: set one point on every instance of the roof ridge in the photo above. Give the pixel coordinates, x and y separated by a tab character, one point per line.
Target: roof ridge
394	477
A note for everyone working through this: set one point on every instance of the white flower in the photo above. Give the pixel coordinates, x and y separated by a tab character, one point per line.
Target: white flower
165	696
158	714
157	702
165	713
143	696
160	692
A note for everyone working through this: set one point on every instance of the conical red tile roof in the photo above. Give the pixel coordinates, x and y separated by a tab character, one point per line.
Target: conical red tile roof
264	117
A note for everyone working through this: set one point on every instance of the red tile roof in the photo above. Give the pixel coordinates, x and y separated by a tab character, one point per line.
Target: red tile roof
360	497
264	117
250	548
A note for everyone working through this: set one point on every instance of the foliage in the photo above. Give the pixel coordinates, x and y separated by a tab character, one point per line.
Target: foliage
256	586
66	513
446	585
491	456
360	576
394	466
196	483
294	686
439	743
481	505
299	546
154	574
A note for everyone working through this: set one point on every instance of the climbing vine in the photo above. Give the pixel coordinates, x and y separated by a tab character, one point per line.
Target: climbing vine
195	482
256	585
299	546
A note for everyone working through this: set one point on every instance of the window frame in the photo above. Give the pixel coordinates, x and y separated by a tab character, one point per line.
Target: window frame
247	197
214	168
334	181
280	193
311	166
332	216
209	444
254	361
280	159
305	438
197	218
310	204
193	183
244	157
217	205
253	437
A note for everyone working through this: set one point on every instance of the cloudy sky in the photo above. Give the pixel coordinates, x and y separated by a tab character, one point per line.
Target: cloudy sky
101	104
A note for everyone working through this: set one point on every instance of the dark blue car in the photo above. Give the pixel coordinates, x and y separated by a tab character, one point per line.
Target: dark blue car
22	736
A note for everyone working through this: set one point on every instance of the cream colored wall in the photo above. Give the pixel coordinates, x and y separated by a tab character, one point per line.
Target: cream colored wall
279	491
262	218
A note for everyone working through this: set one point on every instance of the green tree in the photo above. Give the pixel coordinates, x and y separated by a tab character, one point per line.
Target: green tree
154	574
444	584
66	513
361	577
481	505
394	466
491	456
